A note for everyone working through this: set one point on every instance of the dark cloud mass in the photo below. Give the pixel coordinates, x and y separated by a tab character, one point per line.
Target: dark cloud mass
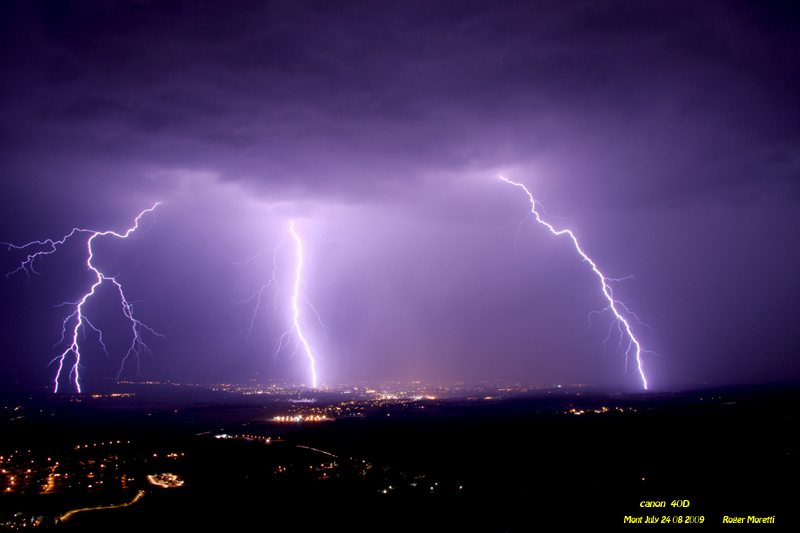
665	135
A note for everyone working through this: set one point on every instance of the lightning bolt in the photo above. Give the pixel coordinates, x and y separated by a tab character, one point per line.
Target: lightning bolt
77	317
270	290
624	327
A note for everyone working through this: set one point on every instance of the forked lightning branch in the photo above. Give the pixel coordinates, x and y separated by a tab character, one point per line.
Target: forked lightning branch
74	326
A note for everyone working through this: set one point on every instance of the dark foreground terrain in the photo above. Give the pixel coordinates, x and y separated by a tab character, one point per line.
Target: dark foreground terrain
557	458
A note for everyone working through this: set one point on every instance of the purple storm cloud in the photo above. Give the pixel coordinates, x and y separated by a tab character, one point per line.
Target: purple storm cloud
664	136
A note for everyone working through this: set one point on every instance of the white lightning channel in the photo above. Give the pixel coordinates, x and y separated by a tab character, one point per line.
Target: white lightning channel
294	305
633	344
270	291
137	346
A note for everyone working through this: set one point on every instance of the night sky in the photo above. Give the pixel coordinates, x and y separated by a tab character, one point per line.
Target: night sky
665	135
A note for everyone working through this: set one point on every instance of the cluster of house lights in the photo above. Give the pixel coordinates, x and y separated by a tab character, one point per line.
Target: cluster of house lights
300	418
